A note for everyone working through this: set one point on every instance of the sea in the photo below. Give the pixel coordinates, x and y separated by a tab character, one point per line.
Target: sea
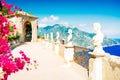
113	50
82	56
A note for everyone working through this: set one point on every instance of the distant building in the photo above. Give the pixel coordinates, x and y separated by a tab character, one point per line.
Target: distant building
26	26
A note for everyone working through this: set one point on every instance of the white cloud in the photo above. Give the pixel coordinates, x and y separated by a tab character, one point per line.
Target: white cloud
54	18
48	21
44	20
65	23
42	25
85	27
82	25
111	33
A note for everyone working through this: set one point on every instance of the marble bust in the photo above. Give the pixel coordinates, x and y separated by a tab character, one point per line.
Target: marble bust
69	38
51	36
98	39
57	35
70	35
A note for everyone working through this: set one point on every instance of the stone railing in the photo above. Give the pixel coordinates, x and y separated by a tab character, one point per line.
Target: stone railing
62	49
111	68
58	48
81	56
78	54
104	67
100	67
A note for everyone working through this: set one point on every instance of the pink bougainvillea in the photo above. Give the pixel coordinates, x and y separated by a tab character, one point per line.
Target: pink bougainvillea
8	63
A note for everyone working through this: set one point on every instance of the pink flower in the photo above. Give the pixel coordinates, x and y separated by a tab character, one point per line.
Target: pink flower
14	27
34	61
8	63
24	57
20	64
4	3
27	69
9	6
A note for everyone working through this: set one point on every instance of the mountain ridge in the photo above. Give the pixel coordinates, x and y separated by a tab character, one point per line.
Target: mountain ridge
80	38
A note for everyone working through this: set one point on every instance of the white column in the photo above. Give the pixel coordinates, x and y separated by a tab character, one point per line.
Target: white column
69	49
34	30
51	36
47	36
95	66
57	43
98	69
21	27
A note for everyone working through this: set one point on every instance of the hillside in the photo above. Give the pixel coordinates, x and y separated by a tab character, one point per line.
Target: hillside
80	38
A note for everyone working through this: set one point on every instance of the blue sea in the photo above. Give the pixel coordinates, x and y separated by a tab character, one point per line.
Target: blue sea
82	57
113	50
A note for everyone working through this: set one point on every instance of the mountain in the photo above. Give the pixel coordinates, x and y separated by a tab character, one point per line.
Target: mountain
80	38
117	39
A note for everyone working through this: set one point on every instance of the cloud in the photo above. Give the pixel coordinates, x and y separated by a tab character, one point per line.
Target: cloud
48	21
54	18
111	33
42	24
82	25
45	20
65	23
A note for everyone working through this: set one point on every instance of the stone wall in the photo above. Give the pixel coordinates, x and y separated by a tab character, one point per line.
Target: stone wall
104	68
111	68
20	25
81	56
61	51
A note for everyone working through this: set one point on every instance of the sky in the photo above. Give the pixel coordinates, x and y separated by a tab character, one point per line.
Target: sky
75	13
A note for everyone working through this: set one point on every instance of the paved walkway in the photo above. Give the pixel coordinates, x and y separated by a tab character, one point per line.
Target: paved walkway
51	66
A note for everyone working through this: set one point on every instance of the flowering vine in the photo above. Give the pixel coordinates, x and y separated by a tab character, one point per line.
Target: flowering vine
8	63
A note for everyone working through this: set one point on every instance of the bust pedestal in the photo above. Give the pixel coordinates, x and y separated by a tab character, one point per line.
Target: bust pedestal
96	66
69	52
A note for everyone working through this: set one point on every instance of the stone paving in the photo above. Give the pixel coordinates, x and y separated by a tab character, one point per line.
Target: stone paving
51	66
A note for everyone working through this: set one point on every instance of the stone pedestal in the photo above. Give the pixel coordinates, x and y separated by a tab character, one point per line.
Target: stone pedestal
69	52
51	45
57	47
34	31
96	66
47	43
103	67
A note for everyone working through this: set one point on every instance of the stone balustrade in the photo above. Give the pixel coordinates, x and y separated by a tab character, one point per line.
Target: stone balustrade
101	65
111	68
105	67
74	53
81	56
